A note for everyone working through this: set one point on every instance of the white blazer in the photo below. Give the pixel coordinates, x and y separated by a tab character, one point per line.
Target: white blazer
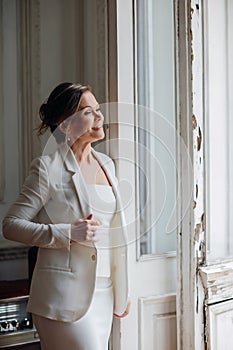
53	196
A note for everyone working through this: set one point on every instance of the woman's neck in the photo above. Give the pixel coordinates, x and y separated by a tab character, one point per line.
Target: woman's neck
81	151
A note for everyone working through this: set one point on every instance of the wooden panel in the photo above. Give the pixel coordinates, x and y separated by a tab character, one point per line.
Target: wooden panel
163	325
157	323
218	281
220	325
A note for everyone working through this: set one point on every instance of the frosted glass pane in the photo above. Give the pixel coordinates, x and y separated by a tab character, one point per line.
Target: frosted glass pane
156	124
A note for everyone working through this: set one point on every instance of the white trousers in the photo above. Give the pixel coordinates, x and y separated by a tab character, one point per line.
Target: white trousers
91	332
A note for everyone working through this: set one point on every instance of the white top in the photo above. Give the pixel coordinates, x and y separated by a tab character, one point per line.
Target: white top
103	204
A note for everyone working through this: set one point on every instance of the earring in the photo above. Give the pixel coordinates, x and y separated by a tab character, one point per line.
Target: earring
68	139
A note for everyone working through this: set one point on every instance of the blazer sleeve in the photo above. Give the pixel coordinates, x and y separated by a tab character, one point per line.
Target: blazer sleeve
18	223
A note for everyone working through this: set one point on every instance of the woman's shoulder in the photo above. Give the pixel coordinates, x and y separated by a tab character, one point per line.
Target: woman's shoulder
46	160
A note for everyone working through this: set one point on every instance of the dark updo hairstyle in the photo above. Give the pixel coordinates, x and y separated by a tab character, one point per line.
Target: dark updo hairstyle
61	104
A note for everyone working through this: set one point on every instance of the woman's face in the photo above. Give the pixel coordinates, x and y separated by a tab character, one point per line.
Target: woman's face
86	123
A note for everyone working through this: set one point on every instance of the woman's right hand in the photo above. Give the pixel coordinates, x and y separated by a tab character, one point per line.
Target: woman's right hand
84	230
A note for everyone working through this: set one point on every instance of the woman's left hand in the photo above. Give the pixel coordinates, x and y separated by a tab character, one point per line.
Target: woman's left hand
126	310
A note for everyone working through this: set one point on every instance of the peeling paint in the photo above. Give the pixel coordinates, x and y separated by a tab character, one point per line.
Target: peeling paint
196	191
203	221
197	232
218	282
199	139
191	35
194	121
192	56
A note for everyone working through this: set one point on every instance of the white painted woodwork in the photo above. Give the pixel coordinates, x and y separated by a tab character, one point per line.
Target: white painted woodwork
218	281
157	323
207	25
198	235
230	113
210	30
185	241
220	319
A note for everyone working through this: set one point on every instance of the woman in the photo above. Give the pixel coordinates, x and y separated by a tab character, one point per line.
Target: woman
70	208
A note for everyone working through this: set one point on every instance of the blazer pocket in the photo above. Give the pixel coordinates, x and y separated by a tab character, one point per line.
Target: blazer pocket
54	268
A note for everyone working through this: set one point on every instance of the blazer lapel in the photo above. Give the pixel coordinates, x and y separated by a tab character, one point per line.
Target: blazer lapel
110	175
118	229
82	193
77	178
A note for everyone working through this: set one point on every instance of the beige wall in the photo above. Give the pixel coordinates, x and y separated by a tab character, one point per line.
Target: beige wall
42	45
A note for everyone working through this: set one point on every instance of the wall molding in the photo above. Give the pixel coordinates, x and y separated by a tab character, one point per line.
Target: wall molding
102	49
154	311
219	330
2	165
29	81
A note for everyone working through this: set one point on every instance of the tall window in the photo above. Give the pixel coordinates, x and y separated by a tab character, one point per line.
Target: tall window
218	39
156	131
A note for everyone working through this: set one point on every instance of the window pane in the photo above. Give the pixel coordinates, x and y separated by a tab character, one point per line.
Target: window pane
218	128
154	27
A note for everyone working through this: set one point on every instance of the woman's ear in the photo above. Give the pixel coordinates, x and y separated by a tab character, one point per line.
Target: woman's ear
63	127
